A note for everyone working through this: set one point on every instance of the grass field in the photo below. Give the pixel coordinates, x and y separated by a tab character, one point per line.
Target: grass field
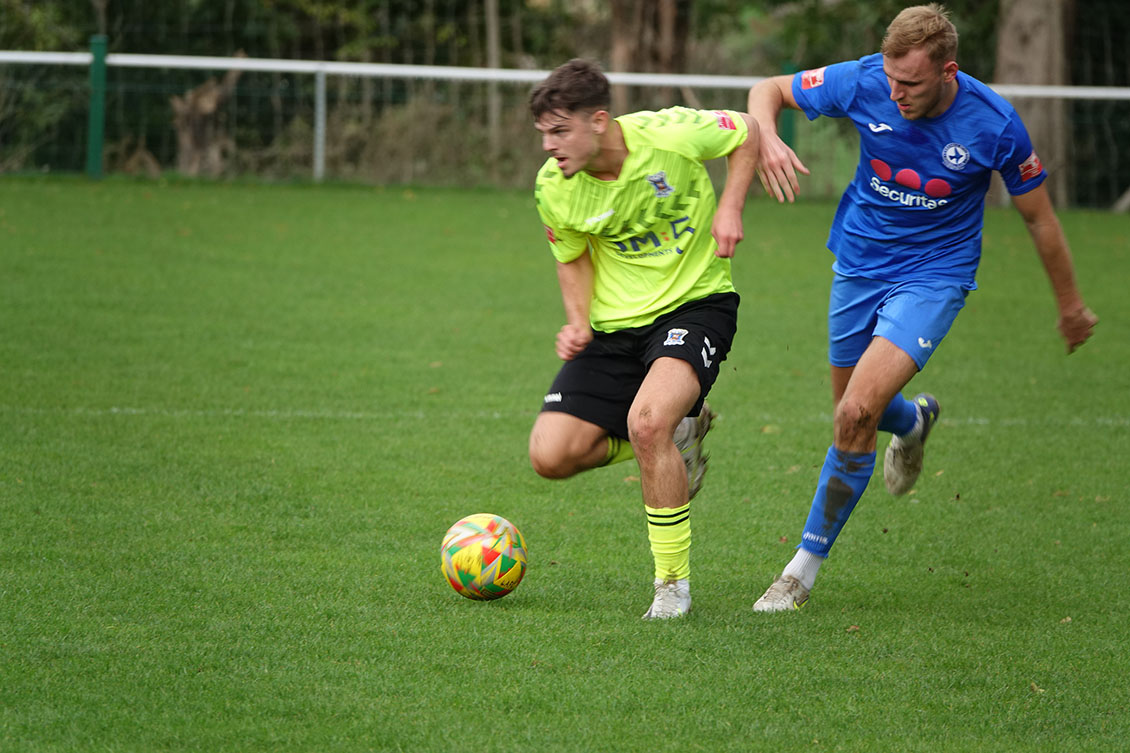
236	420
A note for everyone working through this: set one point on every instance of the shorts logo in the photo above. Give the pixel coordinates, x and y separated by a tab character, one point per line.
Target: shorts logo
676	337
549	234
924	343
1031	167
955	156
553	397
707	351
659	182
812	79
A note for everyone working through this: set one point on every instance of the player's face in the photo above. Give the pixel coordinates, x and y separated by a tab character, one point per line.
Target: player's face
571	138
920	87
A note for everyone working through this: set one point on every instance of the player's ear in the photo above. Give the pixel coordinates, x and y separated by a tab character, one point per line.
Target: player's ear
949	71
600	120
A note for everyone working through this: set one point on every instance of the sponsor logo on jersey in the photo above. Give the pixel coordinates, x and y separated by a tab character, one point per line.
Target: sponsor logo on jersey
929	194
676	337
725	122
880	128
549	234
955	156
812	79
663	189
656	242
1031	167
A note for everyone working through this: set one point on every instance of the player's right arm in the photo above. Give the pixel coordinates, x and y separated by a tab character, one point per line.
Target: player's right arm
777	163
575	278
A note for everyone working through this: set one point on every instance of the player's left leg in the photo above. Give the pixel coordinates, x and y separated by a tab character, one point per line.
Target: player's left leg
667	394
916	317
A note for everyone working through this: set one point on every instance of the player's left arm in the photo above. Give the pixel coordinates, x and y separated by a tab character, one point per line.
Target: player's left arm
741	166
1076	321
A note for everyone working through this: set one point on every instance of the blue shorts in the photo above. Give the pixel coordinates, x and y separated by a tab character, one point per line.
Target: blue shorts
915	316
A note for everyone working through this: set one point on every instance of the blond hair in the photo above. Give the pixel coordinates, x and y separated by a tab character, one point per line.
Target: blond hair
922	26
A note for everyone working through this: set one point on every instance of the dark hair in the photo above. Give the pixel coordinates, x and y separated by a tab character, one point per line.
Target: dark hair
576	85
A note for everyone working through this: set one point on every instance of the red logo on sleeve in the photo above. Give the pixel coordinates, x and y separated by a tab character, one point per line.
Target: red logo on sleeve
812	79
549	234
725	122
1031	167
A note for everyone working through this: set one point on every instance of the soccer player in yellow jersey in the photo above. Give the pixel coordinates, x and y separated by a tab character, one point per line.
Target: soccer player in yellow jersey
643	259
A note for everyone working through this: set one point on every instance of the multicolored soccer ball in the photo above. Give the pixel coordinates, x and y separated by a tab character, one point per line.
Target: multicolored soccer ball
484	556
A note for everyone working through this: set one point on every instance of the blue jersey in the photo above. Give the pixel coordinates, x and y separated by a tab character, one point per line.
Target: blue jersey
915	207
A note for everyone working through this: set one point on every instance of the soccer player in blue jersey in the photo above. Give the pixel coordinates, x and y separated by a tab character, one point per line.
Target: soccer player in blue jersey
643	261
907	241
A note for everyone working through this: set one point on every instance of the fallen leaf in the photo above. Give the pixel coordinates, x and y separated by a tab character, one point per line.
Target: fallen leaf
784	539
853	629
939	473
1036	688
1065	620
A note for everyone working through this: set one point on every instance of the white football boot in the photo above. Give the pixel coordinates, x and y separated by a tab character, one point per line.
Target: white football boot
786	593
688	438
903	460
672	599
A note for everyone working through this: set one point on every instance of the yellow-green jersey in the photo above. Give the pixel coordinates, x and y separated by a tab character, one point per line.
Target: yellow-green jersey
648	230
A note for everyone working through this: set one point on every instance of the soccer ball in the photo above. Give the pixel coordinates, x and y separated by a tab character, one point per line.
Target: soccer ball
484	556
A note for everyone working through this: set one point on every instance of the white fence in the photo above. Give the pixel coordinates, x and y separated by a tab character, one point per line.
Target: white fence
321	69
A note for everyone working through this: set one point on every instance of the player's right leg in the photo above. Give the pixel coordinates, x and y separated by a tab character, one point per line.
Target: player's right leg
866	373
562	445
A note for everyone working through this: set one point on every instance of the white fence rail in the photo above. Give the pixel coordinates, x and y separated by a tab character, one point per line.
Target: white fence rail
320	69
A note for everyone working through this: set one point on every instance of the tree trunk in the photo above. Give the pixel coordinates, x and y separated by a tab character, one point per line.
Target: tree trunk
1032	49
648	36
202	141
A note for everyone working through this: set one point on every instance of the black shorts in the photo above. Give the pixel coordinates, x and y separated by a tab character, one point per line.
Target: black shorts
600	384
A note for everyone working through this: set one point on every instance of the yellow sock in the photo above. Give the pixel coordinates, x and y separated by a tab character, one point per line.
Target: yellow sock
619	450
669	531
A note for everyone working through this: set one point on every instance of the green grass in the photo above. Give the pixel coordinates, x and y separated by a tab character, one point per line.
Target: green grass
236	420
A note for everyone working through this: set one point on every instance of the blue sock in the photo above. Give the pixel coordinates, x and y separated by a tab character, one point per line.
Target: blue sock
842	480
900	416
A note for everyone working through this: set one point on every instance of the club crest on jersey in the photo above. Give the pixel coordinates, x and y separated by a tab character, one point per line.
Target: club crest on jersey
659	182
676	337
955	156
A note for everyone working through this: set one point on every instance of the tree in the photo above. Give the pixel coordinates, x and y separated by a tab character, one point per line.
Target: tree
648	36
1032	49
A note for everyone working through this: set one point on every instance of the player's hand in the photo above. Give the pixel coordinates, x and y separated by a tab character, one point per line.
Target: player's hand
571	340
1077	326
727	232
777	166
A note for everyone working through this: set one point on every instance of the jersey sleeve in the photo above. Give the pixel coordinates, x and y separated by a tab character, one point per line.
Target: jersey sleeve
1017	161
565	244
698	134
828	90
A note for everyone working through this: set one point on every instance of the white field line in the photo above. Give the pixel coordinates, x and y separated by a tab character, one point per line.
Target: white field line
329	415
